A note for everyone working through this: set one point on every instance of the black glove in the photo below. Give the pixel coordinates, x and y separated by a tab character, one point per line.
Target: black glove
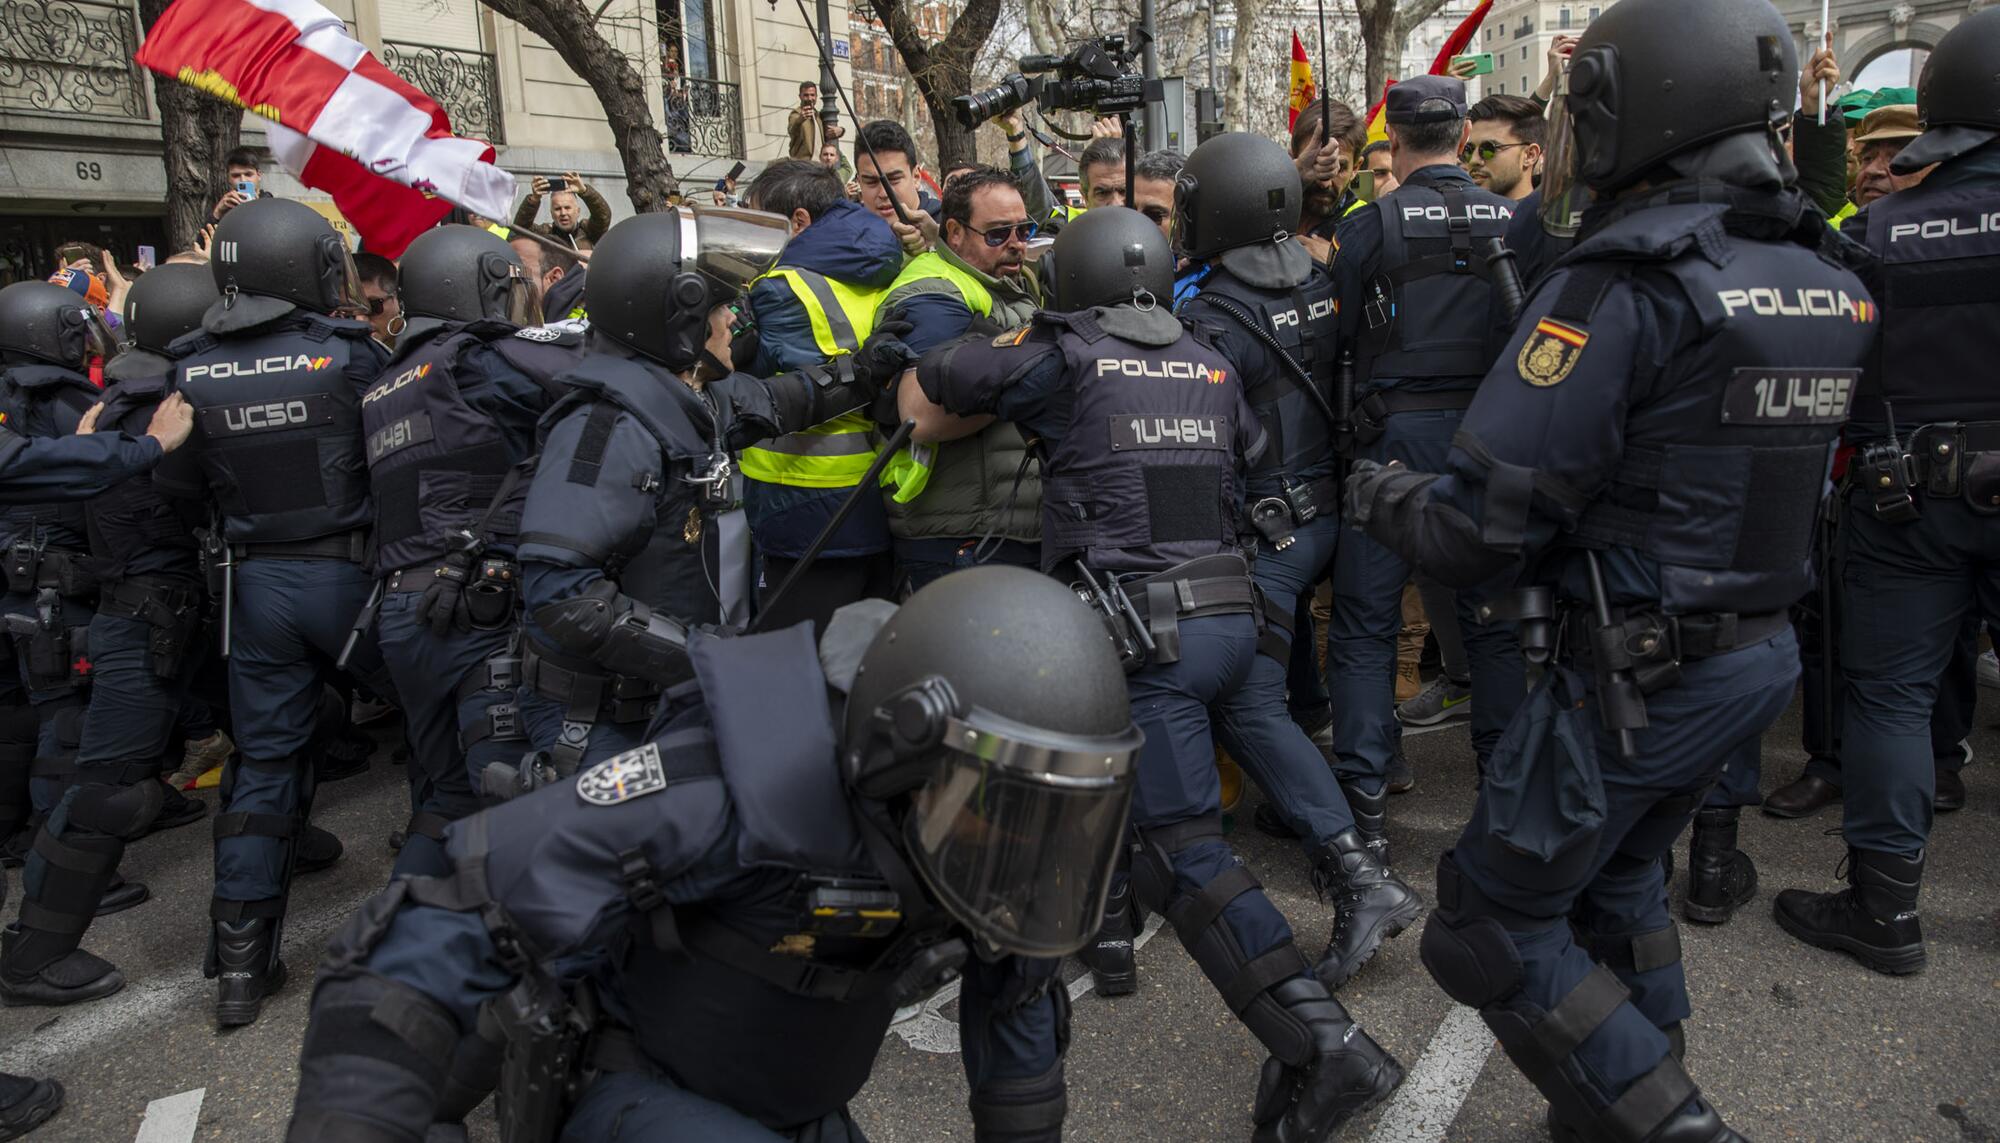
1358	496
443	605
884	357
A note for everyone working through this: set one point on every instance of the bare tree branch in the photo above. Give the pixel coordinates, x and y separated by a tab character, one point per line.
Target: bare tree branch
944	69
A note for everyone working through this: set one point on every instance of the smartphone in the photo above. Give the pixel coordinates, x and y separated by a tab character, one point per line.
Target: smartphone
735	172
1482	63
247	189
145	259
80	252
1364	186
558	183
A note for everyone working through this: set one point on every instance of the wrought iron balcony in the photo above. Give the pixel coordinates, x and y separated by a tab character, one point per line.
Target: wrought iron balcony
704	117
70	56
465	83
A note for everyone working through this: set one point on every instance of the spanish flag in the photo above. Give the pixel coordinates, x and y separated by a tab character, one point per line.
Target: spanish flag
1303	91
1454	44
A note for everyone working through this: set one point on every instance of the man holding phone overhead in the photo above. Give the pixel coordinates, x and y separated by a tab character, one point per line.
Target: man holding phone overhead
569	197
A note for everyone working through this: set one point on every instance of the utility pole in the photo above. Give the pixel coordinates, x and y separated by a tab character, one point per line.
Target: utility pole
829	109
1156	115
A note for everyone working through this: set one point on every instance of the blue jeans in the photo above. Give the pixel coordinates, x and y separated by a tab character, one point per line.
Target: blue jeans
1254	722
926	561
1368	584
1907	591
290	621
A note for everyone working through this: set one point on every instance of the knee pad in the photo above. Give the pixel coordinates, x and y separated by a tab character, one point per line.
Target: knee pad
1023	1109
119	811
1471	958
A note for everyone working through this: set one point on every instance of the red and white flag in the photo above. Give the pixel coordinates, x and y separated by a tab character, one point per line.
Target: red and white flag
345	124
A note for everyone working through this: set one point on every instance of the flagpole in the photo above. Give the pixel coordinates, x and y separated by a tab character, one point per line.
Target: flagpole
1325	108
1826	33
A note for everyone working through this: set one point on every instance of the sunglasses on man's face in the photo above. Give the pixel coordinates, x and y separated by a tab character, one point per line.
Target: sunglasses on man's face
1485	150
377	305
997	236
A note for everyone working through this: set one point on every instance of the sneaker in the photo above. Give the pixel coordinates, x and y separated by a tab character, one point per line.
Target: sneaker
1444	699
201	762
1989	670
369	710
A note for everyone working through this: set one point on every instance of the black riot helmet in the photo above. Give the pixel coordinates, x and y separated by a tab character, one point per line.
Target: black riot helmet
655	277
994	703
1107	257
463	274
1652	79
44	322
1958	95
166	302
280	249
1235	190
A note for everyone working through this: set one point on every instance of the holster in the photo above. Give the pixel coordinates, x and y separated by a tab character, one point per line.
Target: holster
1211	585
490	596
171	609
541	1069
51	653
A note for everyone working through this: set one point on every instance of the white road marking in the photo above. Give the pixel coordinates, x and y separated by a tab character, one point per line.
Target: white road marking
163	1001
172	1119
1426	1105
926	1029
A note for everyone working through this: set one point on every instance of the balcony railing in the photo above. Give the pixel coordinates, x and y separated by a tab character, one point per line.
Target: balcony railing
465	83
704	117
71	56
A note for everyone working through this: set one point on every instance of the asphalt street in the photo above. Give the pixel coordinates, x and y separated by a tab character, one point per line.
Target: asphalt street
1790	1042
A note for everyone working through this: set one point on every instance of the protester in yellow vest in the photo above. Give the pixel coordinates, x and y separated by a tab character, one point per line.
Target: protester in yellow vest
818	304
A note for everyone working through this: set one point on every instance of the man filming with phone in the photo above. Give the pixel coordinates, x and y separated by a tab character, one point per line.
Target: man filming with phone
246	181
568	196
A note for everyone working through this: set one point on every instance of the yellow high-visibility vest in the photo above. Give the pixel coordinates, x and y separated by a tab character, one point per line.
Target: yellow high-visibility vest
910	469
837	453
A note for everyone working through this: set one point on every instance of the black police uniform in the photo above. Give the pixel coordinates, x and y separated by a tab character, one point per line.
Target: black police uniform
683	878
1148	435
278	439
1415	298
446	425
145	644
1652	417
1918	555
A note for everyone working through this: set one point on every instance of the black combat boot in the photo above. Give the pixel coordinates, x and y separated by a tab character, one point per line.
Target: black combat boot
43	968
26	1104
1370	905
247	969
1371	817
1113	972
1344	1072
1720	876
121	895
318	849
1873	920
1697	1123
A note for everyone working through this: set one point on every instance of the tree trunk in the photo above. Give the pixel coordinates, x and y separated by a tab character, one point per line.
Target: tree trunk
1385	27
569	29
198	131
942	70
1237	111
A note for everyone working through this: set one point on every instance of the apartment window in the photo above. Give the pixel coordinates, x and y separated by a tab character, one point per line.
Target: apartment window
1524	85
1524	52
1562	18
1594	10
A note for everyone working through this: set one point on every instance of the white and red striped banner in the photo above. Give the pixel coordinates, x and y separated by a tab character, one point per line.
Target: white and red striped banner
342	118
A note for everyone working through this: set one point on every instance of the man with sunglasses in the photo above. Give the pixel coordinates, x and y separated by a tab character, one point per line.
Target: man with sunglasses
1503	153
973	500
378	291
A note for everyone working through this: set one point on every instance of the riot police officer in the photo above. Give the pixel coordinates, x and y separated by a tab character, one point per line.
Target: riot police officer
619	549
1148	432
276	380
1267	307
42	470
144	647
778	876
51	345
1414	294
1917	555
447	425
1652	446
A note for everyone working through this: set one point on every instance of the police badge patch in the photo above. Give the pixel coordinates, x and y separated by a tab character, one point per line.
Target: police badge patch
1012	337
539	333
1550	353
633	774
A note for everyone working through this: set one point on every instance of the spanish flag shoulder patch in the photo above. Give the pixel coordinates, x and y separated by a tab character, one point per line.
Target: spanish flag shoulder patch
1551	351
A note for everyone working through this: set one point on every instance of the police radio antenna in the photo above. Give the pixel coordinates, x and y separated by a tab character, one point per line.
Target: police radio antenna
840	93
1325	108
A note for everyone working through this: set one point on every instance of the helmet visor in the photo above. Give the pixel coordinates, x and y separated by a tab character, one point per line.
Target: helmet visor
1018	838
523	307
729	246
87	336
1564	195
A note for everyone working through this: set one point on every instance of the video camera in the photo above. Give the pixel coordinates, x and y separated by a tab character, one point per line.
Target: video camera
1096	76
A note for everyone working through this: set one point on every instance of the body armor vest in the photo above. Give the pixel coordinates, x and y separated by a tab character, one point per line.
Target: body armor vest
1940	283
435	464
44	401
670	568
1426	312
1147	476
1300	443
133	527
1726	458
277	420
